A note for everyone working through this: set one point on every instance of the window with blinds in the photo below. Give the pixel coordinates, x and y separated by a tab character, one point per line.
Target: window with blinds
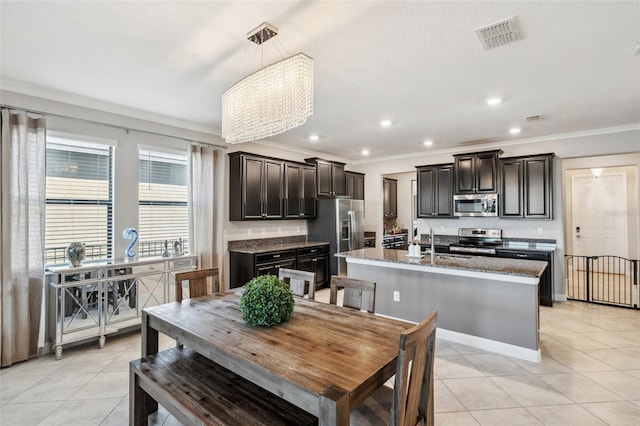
163	198
79	187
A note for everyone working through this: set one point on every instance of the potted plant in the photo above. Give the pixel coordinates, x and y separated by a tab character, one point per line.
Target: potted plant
266	300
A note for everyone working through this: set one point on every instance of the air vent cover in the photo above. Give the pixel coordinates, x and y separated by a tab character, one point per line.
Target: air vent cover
535	117
498	33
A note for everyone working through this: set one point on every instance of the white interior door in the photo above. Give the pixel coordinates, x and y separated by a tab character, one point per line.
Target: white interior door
599	215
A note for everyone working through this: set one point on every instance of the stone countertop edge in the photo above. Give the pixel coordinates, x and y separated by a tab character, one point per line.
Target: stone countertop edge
278	247
491	265
528	244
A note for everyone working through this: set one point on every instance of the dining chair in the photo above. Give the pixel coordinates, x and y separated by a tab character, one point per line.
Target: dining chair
358	294
410	402
197	282
298	280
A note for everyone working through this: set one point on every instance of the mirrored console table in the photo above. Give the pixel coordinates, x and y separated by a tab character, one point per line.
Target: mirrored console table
98	299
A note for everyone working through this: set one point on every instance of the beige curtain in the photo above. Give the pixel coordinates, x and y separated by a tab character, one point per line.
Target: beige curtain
22	181
205	220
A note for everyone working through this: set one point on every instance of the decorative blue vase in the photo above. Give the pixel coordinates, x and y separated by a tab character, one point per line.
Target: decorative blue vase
130	234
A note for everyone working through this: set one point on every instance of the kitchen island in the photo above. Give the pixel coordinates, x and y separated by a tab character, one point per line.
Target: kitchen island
486	302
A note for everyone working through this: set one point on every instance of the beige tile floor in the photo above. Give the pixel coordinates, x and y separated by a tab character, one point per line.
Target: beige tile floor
589	375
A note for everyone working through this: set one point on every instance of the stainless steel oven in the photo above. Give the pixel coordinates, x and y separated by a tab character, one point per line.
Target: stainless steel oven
477	241
475	205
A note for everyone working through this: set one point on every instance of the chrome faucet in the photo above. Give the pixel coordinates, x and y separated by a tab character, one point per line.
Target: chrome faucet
433	245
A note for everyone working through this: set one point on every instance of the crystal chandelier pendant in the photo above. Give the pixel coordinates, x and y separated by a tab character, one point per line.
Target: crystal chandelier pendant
270	101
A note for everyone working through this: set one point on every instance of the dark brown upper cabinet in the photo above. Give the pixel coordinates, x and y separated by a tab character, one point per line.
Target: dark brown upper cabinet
527	187
255	187
435	191
476	172
299	191
329	177
354	185
390	197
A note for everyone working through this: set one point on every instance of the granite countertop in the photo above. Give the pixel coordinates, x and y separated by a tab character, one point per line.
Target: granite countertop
439	239
528	244
495	265
257	249
525	244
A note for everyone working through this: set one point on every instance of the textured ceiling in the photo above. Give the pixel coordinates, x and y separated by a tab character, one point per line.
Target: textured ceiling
419	64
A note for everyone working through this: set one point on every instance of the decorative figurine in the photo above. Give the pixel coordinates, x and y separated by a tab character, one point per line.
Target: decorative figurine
166	252
177	248
130	234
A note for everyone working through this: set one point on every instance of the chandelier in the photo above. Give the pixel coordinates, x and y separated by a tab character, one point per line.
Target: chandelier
270	101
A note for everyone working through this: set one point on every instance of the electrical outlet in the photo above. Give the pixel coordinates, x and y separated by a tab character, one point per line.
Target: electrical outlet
249	232
539	231
396	296
279	229
297	229
264	231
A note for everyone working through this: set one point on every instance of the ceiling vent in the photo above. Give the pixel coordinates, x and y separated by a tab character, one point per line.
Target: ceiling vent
536	117
498	33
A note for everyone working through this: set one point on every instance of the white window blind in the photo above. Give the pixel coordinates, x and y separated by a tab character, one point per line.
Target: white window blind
79	198
163	198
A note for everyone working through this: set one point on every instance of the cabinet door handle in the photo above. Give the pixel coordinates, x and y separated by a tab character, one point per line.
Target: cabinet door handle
314	260
521	255
314	250
275	256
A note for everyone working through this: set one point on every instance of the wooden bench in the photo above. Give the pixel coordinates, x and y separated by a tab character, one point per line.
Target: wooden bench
197	391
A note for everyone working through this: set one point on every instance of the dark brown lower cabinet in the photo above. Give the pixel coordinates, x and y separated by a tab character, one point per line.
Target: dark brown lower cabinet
546	280
246	265
315	259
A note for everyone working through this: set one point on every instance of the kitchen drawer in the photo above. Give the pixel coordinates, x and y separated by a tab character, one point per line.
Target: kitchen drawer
274	267
313	251
275	256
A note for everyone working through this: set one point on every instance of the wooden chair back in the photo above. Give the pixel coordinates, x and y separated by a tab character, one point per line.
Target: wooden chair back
197	282
413	389
358	294
298	280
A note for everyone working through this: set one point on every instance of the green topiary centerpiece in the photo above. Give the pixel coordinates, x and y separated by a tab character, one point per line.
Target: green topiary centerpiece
266	300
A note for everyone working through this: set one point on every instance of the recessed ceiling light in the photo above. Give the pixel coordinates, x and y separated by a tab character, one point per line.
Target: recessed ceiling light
364	152
428	142
494	101
314	138
385	123
515	130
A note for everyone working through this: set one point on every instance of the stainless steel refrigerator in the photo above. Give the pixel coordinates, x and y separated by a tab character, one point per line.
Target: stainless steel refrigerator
340	221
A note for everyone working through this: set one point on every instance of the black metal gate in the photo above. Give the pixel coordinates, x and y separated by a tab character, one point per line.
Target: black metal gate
610	280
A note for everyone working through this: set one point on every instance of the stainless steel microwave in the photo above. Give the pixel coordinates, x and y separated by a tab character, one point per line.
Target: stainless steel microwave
475	205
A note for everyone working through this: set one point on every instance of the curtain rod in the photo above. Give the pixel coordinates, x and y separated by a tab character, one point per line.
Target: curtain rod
127	129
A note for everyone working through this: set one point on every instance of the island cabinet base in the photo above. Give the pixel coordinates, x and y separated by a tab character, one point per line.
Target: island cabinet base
494	312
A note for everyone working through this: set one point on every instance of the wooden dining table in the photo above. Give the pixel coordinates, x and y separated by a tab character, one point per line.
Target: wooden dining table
325	359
